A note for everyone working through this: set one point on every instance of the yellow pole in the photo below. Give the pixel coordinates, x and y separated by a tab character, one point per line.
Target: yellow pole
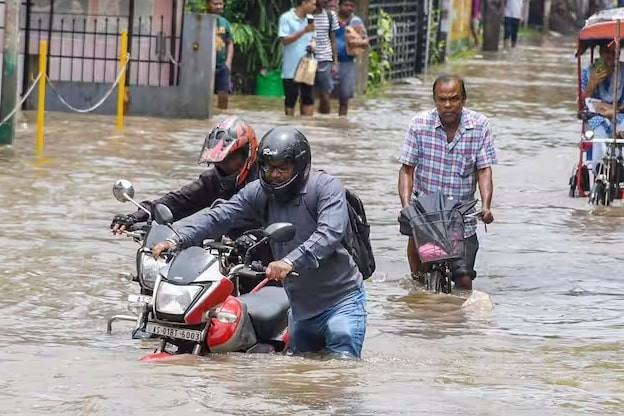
122	81
43	63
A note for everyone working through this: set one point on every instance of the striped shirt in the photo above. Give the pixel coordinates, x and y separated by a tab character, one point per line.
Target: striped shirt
323	43
448	167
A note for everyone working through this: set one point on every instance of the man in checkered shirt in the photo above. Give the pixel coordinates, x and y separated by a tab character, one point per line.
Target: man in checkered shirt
449	149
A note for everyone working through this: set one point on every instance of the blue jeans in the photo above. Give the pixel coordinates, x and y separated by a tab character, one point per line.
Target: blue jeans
346	80
223	81
340	329
323	81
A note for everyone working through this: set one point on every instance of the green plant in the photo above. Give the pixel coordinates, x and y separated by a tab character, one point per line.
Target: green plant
436	47
254	31
196	6
379	65
260	50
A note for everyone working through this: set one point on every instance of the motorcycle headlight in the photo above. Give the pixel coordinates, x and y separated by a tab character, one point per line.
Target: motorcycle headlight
149	268
174	299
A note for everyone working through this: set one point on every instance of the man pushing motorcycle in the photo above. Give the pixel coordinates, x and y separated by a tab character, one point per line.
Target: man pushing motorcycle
328	299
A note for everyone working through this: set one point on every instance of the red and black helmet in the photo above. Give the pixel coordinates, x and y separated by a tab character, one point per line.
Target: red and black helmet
231	135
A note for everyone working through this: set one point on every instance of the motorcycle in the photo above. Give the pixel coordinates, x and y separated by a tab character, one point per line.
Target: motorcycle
148	234
196	308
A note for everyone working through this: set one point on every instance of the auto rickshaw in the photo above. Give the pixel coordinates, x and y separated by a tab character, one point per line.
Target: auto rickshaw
600	179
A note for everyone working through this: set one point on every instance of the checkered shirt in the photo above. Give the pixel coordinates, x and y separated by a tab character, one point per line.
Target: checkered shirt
448	167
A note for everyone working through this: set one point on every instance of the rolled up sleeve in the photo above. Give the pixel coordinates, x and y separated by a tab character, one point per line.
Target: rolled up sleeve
410	153
486	155
332	222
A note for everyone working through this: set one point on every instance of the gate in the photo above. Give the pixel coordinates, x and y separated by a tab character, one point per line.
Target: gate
84	44
84	39
410	34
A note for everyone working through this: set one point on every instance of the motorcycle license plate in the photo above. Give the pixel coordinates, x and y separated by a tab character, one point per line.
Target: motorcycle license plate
139	299
178	333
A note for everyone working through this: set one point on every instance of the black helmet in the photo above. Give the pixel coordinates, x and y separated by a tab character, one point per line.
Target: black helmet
284	144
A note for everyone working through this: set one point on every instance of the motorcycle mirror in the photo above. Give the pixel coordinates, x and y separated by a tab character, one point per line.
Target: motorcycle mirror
163	214
280	231
123	191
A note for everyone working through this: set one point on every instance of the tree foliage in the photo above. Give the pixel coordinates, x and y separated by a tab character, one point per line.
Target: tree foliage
254	30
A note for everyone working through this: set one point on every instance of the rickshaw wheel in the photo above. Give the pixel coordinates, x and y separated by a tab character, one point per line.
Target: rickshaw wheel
572	192
599	194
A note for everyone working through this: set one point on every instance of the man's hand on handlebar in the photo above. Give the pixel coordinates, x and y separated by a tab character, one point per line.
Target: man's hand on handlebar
278	270
121	222
486	215
159	248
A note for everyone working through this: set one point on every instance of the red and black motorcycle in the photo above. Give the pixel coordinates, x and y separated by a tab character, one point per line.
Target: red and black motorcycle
196	308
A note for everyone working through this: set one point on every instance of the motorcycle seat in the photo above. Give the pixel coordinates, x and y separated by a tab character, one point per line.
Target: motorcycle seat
268	310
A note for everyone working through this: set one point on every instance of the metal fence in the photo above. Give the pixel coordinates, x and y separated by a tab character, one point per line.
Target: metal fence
86	47
409	34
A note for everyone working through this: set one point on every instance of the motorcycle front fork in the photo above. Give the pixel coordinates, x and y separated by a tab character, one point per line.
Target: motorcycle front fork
138	319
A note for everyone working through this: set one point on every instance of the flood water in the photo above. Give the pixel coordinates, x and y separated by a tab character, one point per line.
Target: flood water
549	344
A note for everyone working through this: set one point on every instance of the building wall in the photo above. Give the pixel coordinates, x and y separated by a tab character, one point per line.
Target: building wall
192	97
459	36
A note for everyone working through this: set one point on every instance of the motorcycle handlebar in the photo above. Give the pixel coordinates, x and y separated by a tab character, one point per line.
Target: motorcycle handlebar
586	115
135	235
137	231
139	227
258	274
165	254
218	246
478	215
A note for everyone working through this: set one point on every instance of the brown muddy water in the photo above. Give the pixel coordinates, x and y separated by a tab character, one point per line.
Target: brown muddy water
549	344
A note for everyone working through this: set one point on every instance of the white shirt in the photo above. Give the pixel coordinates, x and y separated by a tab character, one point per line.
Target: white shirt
513	9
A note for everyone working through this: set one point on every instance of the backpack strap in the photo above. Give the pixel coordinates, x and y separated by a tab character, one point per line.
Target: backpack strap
310	200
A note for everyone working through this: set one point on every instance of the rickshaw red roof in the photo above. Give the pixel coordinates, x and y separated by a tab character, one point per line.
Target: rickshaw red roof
602	25
602	30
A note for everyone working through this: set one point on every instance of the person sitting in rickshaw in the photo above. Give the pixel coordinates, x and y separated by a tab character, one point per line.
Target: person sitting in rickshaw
597	82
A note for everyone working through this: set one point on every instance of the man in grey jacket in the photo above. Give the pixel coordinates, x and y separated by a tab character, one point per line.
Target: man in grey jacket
328	299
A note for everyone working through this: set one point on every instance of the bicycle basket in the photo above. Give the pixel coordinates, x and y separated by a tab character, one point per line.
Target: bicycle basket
438	235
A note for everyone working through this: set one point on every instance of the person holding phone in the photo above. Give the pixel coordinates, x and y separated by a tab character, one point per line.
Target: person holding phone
296	31
597	82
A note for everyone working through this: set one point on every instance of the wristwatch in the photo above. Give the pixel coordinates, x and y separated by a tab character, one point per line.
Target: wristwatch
172	241
288	261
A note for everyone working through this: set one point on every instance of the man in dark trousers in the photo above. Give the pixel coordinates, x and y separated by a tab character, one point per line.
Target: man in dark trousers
449	149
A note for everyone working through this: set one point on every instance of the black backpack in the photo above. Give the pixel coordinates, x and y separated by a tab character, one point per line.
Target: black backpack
357	239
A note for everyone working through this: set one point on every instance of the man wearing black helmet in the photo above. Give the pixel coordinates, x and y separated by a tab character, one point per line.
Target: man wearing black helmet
328	300
230	152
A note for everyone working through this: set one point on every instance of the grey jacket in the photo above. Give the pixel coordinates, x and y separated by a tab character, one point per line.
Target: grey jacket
327	272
